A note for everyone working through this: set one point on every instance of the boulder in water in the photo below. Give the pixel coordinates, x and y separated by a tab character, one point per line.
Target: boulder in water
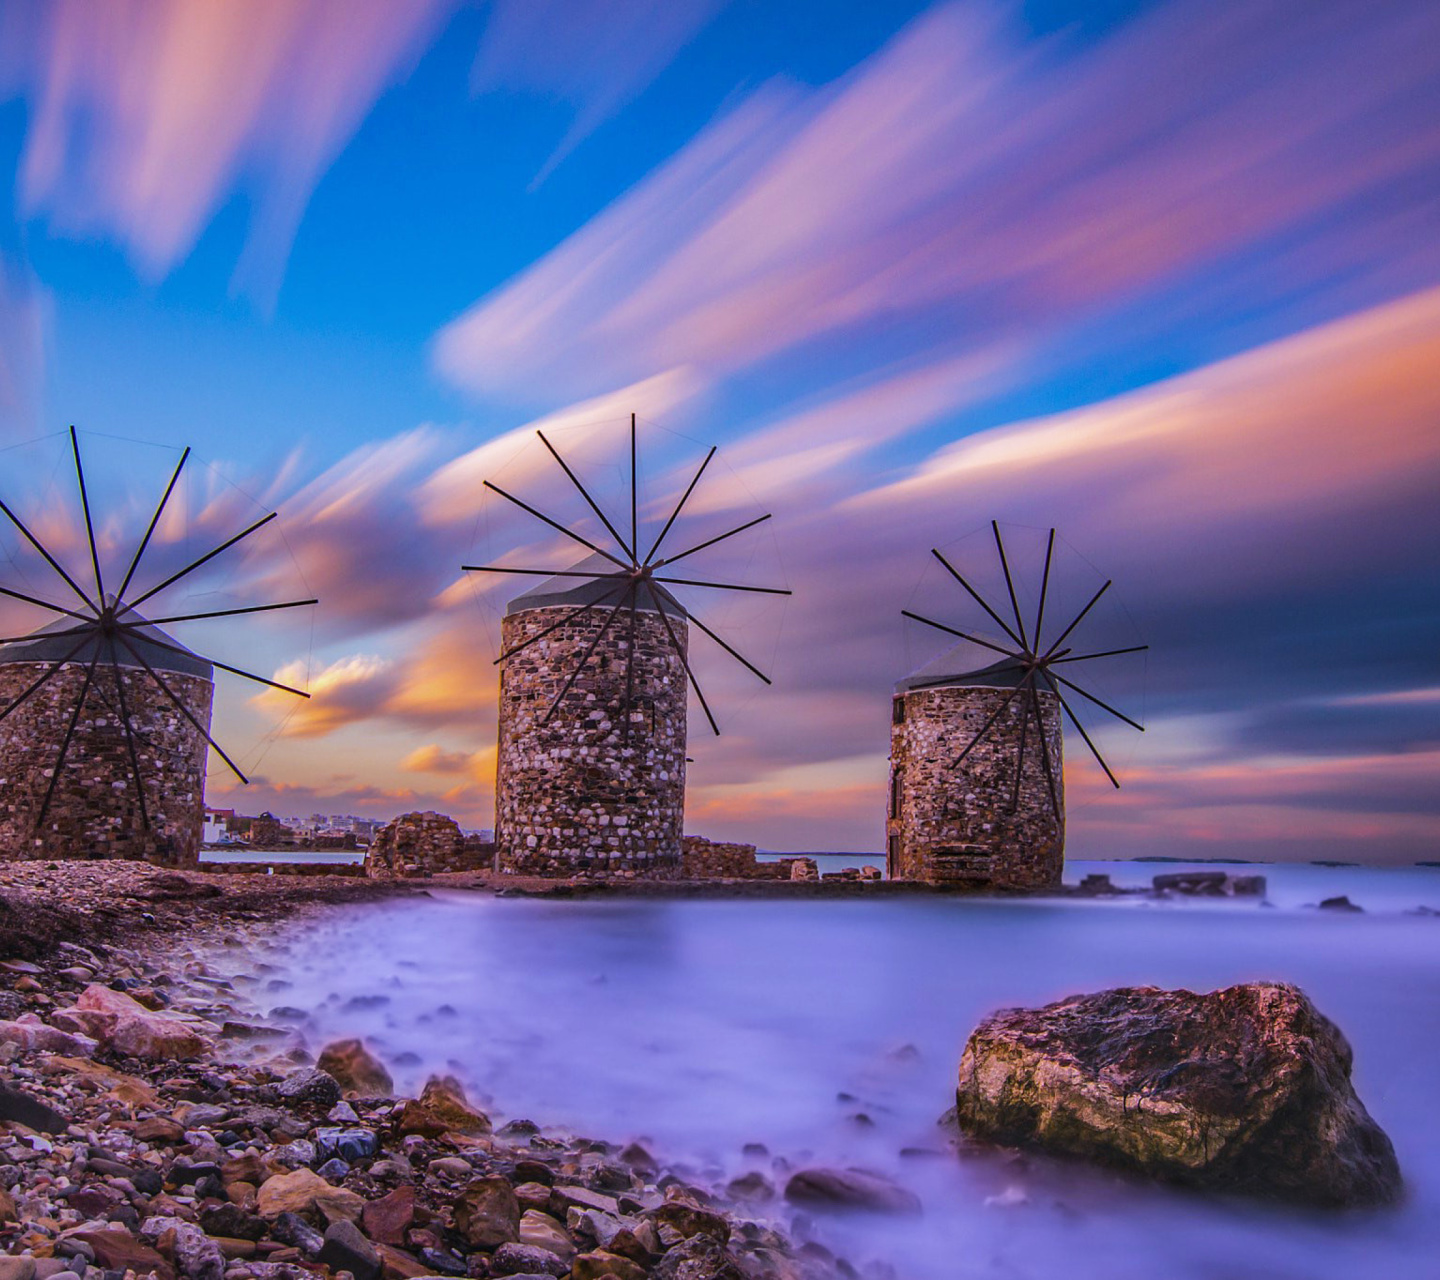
850	1189
1245	1090
356	1069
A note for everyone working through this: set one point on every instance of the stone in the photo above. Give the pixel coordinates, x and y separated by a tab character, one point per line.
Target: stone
160	1129
859	1189
684	1215
23	1108
197	1256
304	1190
17	1268
127	1027
533	1195
487	1213
8	1212
590	1266
754	1187
120	1251
424	844
388	1218
31	1035
231	1221
543	1232
345	1249
441	1108
292	1229
1244	1090
523	1259
698	1258
350	1145
309	1087
356	1069
1340	903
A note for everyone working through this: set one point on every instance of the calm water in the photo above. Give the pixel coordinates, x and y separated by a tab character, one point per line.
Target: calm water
701	1026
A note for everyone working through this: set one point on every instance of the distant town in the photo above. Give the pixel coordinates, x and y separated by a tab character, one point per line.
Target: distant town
225	828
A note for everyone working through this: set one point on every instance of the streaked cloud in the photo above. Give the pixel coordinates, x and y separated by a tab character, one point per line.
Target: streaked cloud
344	692
146	115
596	55
960	186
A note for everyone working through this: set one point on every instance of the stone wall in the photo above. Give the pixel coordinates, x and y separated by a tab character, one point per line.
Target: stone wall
422	844
577	795
95	811
949	825
718	860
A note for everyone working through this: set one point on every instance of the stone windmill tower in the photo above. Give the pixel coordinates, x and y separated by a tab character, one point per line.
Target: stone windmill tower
595	662
977	791
104	717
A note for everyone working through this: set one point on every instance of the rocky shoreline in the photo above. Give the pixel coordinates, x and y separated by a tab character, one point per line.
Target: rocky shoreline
155	1122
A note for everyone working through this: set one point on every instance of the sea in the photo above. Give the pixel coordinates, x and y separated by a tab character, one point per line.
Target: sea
772	1035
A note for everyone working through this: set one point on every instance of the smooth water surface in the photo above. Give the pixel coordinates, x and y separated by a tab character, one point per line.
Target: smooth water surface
701	1026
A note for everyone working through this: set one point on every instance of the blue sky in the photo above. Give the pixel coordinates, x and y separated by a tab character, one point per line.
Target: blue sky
1161	274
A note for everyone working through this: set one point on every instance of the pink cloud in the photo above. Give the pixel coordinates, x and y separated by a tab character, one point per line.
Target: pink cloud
146	113
1013	189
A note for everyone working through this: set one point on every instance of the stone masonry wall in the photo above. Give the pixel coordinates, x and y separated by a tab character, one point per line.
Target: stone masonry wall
575	795
949	825
421	844
95	811
718	860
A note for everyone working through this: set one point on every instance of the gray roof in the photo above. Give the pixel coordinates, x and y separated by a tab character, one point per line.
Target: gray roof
52	644
558	592
942	672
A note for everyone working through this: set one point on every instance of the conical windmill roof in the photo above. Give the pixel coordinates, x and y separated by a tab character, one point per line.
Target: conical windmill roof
948	671
51	644
561	592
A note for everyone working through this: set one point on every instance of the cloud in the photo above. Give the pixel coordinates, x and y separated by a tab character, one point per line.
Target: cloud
145	115
432	758
22	347
960	187
346	691
595	54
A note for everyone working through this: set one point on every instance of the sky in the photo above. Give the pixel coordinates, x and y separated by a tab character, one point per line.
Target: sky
1163	276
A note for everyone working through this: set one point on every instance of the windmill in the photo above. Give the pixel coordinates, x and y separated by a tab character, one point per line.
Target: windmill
976	759
104	717
595	663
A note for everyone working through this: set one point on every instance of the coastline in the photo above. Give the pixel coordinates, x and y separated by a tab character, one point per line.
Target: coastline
124	1157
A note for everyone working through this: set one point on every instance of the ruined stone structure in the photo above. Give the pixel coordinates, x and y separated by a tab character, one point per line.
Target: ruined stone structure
422	844
949	825
95	811
578	794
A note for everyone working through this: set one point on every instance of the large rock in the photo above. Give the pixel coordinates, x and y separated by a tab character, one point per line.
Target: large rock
487	1213
127	1027
29	1034
303	1191
356	1069
850	1189
345	1249
34	1113
1244	1090
441	1108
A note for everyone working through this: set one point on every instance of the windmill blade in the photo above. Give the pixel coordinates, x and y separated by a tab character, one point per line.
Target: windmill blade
1009	584
576	612
580	666
1078	617
87	626
680	555
689	674
985	728
542	573
555	524
52	562
725	586
44	679
130	733
679	506
1104	706
89	526
739	657
1045	755
44	604
978	598
964	635
1094	750
65	741
634	492
154	520
1104	653
133	629
183	709
230	613
629	549
205	559
1044	589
